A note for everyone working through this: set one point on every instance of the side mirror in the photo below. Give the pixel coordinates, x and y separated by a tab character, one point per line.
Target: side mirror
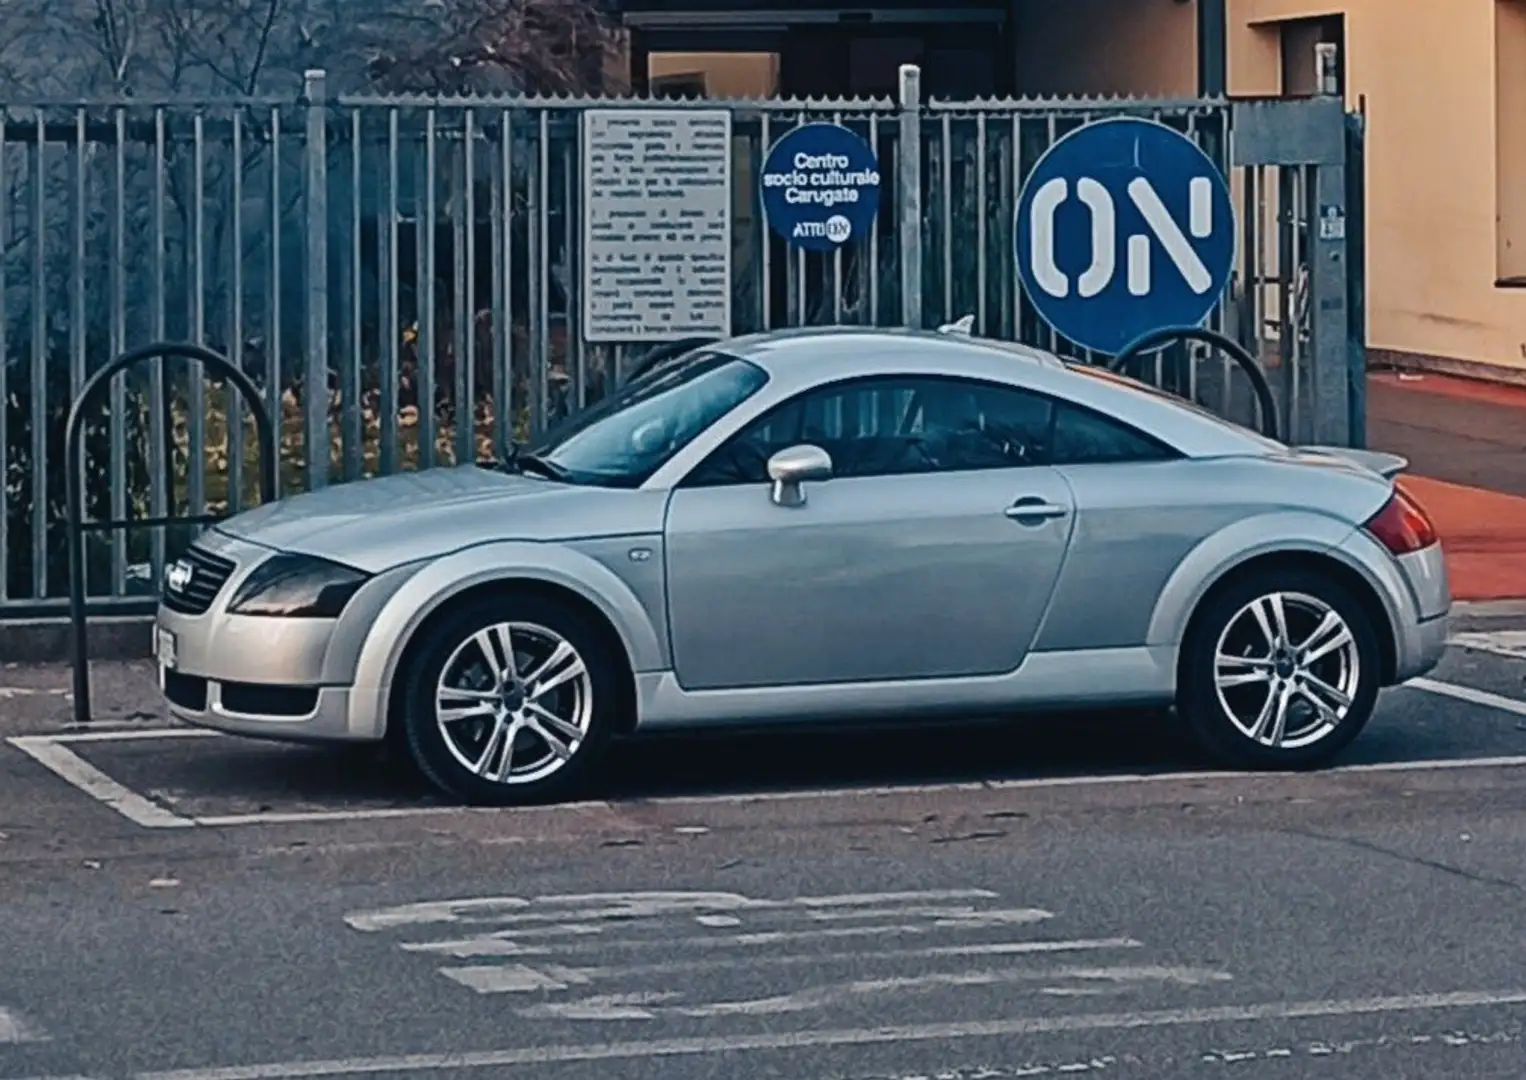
791	467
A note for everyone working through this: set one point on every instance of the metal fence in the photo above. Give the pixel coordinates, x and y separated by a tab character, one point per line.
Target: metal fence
401	277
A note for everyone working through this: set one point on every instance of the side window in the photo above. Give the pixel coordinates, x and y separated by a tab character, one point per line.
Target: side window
892	426
1083	437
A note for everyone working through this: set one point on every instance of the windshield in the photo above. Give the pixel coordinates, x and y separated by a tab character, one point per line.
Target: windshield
1180	402
632	433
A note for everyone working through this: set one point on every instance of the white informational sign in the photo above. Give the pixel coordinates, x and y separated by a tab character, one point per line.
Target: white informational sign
656	224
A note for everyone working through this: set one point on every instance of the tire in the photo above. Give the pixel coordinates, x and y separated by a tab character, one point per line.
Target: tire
588	702
1222	720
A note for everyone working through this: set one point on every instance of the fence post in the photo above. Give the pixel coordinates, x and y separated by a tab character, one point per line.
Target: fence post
1329	270
315	390
909	194
1356	291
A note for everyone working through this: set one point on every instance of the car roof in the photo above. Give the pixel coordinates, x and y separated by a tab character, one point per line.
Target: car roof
818	343
800	357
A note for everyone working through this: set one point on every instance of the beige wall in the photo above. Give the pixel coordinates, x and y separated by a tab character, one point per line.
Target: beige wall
1426	71
1094	47
727	75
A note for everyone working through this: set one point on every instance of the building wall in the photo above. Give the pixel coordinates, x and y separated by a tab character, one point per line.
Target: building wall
1446	214
1443	85
1130	47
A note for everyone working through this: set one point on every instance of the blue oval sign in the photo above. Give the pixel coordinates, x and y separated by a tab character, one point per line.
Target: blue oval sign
821	187
1124	226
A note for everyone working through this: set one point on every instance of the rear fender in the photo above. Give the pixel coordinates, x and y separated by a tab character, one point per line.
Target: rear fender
1247	539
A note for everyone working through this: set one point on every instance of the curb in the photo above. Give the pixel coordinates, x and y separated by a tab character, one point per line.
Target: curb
47	641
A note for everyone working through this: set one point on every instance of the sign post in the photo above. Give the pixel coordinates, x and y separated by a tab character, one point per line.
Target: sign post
1123	227
821	187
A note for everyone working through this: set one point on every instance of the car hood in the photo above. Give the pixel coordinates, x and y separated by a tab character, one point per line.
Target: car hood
379	523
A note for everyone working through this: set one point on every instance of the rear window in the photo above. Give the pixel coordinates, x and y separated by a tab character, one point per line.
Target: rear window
1182	403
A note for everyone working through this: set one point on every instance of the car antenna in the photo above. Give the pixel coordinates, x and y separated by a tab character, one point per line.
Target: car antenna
964	326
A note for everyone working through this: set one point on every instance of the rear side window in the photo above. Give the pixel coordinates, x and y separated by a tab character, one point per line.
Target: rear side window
1083	437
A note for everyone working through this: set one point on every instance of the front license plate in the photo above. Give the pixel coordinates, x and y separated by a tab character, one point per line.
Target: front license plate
164	647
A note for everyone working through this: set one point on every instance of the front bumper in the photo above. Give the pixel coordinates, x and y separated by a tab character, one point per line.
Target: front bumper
285	679
285	713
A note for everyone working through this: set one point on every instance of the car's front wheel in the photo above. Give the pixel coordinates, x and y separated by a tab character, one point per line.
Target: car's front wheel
1279	670
510	700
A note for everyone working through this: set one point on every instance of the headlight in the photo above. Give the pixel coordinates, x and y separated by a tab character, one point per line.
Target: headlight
298	587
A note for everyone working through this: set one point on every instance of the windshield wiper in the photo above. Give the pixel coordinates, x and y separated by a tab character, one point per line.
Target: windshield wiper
521	462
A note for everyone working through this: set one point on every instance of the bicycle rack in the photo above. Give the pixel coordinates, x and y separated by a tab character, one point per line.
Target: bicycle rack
74	450
1154	339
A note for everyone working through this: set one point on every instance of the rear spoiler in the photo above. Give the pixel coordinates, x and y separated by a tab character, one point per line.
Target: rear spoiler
1388	466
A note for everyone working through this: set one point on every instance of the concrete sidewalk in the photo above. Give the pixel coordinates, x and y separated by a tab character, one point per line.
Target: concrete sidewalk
1466	443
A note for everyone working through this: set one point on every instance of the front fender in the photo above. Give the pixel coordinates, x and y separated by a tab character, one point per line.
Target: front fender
1236	544
441	580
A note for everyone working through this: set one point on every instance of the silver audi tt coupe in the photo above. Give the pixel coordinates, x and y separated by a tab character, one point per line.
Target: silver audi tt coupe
818	525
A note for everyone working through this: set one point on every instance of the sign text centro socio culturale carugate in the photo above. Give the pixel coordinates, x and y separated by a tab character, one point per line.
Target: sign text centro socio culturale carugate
821	186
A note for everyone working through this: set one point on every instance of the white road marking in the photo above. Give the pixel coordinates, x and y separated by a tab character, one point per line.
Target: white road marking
133	734
479	947
503	979
824	997
959	1031
1471	695
626	906
14	1028
584	975
1510	643
48	752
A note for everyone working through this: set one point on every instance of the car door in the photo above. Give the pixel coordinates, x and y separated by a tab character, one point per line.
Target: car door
931	552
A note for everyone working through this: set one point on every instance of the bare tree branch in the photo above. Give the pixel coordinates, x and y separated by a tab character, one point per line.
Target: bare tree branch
217	48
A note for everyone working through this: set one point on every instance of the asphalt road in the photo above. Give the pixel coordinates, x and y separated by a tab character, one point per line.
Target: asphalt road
980	902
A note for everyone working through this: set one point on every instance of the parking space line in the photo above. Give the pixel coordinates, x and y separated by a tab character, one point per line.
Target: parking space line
132	734
1471	695
52	755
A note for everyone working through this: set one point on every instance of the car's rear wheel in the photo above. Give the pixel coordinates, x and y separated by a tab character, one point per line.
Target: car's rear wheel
1279	670
510	701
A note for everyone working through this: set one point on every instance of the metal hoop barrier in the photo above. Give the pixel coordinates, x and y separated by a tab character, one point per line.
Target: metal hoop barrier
1154	339
74	449
666	352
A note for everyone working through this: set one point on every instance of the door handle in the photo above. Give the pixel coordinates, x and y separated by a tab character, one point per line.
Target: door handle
1035	509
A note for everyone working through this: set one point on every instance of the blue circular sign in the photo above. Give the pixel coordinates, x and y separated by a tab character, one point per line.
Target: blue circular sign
821	186
1124	226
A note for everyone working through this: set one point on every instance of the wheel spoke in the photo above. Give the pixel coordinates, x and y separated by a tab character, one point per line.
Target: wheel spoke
503	634
1332	642
1273	719
540	721
1327	714
484	639
454	714
1269	617
1313	683
562	666
1234	671
500	747
1328	626
547	719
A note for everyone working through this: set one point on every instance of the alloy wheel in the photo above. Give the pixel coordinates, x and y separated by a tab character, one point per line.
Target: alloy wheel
514	702
1287	670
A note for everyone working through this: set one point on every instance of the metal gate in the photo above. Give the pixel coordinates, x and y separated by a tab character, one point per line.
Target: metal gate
400	276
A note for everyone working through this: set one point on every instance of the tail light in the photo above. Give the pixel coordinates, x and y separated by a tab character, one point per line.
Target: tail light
1402	526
